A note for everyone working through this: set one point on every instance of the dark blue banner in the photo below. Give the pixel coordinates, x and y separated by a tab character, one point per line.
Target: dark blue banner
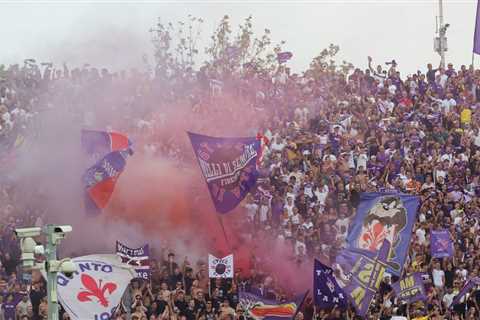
326	291
384	216
229	166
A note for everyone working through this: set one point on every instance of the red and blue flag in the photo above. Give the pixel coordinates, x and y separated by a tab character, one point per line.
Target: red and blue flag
108	153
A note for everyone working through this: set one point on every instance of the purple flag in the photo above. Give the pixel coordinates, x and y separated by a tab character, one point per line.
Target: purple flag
441	244
476	37
138	257
359	273
229	166
466	288
327	292
283	57
410	288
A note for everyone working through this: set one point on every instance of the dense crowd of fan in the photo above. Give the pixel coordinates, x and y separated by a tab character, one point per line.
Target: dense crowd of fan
328	137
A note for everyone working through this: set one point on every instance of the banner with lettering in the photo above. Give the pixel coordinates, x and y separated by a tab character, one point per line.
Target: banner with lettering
326	291
384	216
441	244
139	258
229	166
359	274
96	288
410	288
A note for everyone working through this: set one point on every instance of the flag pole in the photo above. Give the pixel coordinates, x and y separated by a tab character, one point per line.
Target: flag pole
473	60
220	221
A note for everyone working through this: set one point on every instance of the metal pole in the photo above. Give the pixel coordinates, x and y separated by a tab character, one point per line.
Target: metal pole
442	34
51	255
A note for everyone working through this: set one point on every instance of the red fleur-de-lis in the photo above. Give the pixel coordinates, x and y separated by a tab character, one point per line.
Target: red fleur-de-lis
374	236
95	290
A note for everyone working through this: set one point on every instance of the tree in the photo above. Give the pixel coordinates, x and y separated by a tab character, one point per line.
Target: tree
175	45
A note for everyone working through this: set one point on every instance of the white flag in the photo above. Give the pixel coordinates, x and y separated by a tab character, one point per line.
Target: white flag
96	288
220	267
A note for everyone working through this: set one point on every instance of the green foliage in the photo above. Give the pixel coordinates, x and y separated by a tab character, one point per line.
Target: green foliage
176	49
325	62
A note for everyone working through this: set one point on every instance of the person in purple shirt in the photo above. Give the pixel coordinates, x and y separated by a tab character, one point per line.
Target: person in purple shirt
9	308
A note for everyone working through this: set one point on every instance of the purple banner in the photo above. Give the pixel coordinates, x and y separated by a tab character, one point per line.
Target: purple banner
441	244
284	56
410	288
476	36
229	166
138	257
466	288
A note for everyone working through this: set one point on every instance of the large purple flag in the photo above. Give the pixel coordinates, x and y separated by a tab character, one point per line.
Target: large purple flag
410	288
441	244
359	273
466	288
229	166
476	37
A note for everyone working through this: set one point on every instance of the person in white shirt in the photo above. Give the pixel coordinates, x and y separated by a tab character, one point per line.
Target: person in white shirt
289	206
438	276
278	144
448	298
420	233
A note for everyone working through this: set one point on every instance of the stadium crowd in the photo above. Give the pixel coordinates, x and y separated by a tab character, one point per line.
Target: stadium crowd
329	135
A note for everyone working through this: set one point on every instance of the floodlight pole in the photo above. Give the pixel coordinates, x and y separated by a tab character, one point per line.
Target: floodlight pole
51	256
442	34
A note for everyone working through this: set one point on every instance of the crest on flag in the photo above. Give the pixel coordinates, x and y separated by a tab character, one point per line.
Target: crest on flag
220	267
96	288
139	258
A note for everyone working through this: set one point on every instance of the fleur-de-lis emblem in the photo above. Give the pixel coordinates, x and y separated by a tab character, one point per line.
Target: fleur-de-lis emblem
92	289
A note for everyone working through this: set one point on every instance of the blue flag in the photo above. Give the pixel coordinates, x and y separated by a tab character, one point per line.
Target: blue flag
359	274
476	36
229	166
441	245
384	216
107	153
259	308
326	291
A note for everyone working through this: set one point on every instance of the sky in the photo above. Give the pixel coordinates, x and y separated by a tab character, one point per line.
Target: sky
115	34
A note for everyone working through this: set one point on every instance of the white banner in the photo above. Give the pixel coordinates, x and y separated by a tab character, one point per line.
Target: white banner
220	267
96	288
